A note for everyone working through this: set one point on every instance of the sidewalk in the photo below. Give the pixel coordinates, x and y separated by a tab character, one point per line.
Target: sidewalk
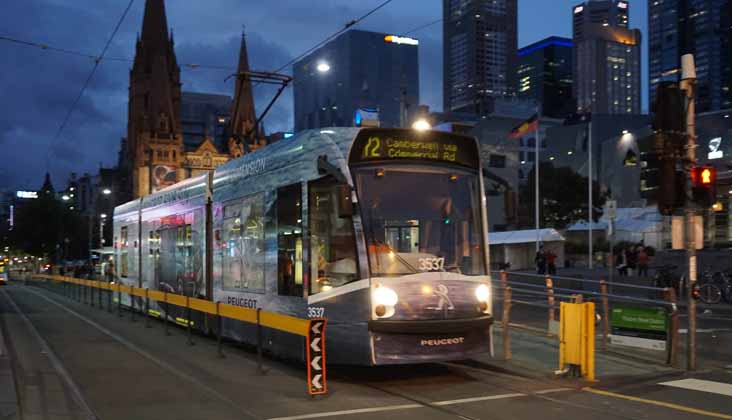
537	356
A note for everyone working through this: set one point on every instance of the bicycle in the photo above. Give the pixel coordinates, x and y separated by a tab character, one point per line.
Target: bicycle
715	286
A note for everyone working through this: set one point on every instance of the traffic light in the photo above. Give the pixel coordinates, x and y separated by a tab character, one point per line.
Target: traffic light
662	177
695	291
704	185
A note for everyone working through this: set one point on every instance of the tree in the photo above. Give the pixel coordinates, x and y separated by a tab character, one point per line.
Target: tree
563	194
45	227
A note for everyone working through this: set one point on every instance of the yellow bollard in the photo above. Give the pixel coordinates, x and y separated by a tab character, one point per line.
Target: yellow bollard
577	337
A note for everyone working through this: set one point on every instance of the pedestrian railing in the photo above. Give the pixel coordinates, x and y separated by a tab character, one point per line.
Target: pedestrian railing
313	330
541	291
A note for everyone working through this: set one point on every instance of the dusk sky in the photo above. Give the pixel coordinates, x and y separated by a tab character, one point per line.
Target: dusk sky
37	86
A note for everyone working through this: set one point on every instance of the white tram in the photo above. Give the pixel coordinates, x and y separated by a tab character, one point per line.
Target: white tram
381	231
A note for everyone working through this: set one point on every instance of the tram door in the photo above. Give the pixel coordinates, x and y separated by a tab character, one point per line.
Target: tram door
165	270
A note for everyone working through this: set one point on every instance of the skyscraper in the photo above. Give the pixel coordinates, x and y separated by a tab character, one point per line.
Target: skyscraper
607	62
357	70
545	75
479	53
699	27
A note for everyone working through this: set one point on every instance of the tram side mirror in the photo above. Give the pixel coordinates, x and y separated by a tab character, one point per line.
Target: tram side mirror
345	206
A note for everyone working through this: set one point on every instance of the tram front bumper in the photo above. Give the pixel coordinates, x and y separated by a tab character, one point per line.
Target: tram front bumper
416	341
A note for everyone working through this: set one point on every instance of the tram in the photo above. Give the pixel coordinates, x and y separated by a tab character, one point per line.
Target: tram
381	231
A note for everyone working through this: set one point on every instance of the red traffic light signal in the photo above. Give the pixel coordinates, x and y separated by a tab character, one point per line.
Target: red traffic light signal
704	185
703	176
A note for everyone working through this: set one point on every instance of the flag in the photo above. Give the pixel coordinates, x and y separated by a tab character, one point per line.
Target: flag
532	124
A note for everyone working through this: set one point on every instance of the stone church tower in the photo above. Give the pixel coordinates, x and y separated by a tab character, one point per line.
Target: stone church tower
244	137
154	133
155	154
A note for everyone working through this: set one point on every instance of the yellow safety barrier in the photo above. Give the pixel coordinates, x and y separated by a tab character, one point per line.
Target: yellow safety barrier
312	329
577	338
273	320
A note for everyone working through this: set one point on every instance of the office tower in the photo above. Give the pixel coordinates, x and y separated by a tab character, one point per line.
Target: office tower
357	70
479	53
545	75
699	27
607	61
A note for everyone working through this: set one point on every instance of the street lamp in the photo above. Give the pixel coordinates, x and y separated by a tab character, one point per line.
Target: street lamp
65	197
106	191
323	67
103	215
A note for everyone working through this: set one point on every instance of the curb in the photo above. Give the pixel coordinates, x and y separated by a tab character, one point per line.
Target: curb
9	407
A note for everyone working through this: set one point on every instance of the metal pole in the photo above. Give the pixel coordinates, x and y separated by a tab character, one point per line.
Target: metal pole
605	314
189	320
688	82
147	308
167	312
589	188
536	180
259	342
505	323
219	329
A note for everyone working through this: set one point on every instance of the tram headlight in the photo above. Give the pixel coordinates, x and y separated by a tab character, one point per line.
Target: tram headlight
483	293
385	296
384	300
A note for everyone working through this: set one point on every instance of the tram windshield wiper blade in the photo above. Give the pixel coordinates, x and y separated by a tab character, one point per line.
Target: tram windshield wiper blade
396	254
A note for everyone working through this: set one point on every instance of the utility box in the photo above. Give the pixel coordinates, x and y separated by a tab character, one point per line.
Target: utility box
577	338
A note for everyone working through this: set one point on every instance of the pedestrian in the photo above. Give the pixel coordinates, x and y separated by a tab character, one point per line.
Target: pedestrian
631	259
109	272
540	260
643	260
551	259
622	263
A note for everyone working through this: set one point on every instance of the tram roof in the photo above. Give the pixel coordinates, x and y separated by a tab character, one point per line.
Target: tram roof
303	149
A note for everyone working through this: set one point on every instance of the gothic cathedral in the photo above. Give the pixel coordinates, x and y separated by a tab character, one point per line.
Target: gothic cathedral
154	153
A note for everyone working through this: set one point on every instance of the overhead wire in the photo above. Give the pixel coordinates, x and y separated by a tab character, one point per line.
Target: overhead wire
333	36
86	83
48	47
425	26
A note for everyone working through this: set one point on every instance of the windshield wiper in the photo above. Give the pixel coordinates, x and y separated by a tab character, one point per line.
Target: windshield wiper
400	258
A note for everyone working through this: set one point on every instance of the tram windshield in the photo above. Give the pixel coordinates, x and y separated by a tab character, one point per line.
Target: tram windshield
421	219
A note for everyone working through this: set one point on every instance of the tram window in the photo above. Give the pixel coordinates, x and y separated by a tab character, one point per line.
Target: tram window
123	264
333	259
243	236
289	241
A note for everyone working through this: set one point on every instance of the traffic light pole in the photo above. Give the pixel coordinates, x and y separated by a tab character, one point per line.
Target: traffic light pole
688	83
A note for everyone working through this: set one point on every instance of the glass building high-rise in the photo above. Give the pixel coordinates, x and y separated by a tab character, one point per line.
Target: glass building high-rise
357	70
699	27
479	53
545	75
607	63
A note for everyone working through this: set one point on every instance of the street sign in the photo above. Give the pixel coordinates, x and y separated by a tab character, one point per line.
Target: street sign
316	357
635	326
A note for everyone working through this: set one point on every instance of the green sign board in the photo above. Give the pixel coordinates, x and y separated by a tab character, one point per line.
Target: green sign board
633	321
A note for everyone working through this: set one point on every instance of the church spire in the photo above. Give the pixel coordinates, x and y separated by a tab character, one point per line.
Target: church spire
243	115
47	187
155	26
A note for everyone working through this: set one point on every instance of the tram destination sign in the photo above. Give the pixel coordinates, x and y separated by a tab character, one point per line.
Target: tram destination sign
372	145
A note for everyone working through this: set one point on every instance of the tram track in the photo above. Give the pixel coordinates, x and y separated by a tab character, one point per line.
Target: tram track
85	410
169	369
541	394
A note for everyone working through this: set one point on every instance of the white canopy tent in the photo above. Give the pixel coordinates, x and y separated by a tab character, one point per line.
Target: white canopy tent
518	247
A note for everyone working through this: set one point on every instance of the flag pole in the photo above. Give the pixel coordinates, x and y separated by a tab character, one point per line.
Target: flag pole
536	174
589	195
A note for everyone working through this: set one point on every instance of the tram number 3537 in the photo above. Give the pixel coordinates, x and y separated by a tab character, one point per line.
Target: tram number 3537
431	264
316	312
